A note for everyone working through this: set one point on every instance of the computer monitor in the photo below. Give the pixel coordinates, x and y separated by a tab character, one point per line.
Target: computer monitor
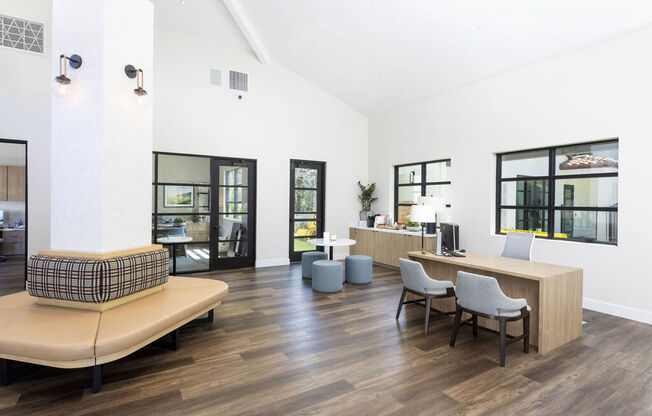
450	236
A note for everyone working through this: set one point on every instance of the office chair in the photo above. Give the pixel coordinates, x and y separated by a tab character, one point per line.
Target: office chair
481	296
518	245
416	281
2	258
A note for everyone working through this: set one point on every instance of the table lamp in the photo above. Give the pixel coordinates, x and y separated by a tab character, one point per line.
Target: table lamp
437	203
423	214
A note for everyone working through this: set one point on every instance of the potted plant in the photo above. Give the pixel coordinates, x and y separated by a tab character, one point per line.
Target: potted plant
413	226
366	198
179	222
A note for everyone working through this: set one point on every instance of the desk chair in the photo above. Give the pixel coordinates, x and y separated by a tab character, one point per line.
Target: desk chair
2	258
416	281
518	245
481	296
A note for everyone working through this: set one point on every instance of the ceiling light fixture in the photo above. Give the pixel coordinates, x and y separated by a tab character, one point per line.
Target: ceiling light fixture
140	92
62	79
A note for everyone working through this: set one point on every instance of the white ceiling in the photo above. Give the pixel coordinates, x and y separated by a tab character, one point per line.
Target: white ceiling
380	54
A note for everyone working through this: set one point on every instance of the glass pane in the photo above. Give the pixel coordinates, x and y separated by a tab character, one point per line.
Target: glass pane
530	193
444	192
305	201
234	175
195	226
183	199
438	172
531	220
184	169
234	199
191	257
227	249
530	163
409	174
305	178
587	192
301	244
305	229
587	158
404	213
232	227
305	216
409	194
587	226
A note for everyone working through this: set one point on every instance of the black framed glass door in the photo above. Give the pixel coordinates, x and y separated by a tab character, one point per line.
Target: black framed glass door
307	179
233	214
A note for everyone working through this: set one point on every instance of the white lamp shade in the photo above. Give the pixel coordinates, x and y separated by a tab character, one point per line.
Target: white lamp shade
434	201
423	213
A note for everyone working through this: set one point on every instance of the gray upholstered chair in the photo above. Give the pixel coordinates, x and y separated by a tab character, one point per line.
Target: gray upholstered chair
518	245
416	281
481	296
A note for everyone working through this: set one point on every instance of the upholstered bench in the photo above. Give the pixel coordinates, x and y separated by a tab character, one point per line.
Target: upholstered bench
64	337
359	269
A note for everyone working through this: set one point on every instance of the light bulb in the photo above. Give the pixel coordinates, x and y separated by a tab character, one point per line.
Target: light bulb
59	89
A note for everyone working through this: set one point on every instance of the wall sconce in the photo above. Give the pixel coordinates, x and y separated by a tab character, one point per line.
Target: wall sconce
140	92
63	80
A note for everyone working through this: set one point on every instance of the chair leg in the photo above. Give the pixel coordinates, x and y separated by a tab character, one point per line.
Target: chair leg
456	325
503	339
526	331
400	303
428	300
475	325
97	378
5	372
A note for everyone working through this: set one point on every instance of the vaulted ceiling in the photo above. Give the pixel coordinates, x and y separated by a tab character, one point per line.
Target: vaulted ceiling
377	55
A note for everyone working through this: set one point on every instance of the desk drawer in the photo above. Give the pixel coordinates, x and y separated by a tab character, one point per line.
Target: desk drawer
13	236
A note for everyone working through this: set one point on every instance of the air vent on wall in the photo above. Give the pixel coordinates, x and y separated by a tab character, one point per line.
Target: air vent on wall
238	81
22	34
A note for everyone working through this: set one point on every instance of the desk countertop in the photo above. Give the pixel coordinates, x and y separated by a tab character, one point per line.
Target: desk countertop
402	232
519	268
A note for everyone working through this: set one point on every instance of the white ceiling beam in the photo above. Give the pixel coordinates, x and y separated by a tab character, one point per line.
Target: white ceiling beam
247	29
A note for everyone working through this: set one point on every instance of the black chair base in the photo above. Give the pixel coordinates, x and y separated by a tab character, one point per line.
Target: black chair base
505	339
427	302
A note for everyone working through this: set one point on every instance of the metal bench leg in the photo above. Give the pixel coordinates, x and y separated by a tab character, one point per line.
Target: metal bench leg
97	378
5	372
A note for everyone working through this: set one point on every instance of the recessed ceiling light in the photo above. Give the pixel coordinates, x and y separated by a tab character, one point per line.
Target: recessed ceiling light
182	2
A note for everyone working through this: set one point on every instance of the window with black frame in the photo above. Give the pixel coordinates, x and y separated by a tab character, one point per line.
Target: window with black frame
564	192
422	179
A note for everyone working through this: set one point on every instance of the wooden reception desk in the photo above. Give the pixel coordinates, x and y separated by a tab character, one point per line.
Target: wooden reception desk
553	292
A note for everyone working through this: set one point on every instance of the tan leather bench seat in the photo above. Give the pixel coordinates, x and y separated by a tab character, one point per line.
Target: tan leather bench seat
69	338
129	327
46	335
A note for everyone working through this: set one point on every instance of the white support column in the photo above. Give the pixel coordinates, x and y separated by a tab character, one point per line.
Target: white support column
101	138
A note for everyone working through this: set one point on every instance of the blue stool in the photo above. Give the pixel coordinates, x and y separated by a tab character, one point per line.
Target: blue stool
358	269
327	276
307	259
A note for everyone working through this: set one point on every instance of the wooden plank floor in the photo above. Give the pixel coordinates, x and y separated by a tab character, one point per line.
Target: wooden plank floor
278	348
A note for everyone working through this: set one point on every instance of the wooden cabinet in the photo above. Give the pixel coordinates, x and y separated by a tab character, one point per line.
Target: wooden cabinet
3	183
14	242
15	183
12	183
386	247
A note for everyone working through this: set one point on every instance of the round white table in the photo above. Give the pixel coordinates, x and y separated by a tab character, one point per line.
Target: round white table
173	241
340	242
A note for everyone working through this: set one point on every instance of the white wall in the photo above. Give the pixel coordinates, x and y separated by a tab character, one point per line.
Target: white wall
598	92
25	114
282	117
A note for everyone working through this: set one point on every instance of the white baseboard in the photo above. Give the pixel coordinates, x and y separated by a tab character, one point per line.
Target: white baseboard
282	261
618	310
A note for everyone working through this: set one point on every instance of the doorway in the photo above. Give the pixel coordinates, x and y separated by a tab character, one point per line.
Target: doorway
204	211
13	216
307	180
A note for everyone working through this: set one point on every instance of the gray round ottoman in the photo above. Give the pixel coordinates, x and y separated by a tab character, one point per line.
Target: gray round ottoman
327	276
358	269
307	259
